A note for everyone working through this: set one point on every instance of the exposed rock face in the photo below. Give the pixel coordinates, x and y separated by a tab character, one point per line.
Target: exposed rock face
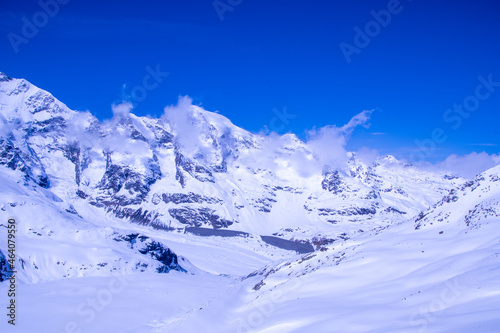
73	153
186	166
146	246
163	139
123	186
347	212
199	217
332	182
25	161
181	198
264	204
5	268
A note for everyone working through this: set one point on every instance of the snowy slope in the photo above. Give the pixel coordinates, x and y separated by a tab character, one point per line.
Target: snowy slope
438	272
408	277
54	242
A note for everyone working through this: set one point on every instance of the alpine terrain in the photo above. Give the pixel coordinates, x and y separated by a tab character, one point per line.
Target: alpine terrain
188	223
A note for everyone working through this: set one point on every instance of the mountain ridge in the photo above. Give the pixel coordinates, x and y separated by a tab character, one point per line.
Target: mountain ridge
119	165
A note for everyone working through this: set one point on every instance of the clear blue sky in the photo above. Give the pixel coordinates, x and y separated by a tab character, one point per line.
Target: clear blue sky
267	55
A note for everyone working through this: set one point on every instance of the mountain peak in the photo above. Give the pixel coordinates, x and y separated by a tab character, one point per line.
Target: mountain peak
4	77
27	103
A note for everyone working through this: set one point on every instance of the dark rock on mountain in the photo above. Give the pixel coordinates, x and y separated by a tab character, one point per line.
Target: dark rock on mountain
46	127
16	159
181	198
72	153
264	205
199	217
156	199
162	137
331	182
186	166
393	210
42	101
5	268
117	177
156	250
347	211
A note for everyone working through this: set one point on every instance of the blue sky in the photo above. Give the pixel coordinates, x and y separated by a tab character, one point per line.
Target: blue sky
271	55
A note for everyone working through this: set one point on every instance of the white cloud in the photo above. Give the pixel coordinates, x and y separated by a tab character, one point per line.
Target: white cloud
76	129
367	155
361	119
193	133
7	128
122	109
466	166
328	143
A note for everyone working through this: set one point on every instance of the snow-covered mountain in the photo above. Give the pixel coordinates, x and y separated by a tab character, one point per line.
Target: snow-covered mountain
195	168
229	215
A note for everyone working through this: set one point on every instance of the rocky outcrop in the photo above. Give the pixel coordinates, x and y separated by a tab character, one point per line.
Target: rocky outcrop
199	217
124	186
28	163
5	268
185	166
347	211
156	250
331	182
182	198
